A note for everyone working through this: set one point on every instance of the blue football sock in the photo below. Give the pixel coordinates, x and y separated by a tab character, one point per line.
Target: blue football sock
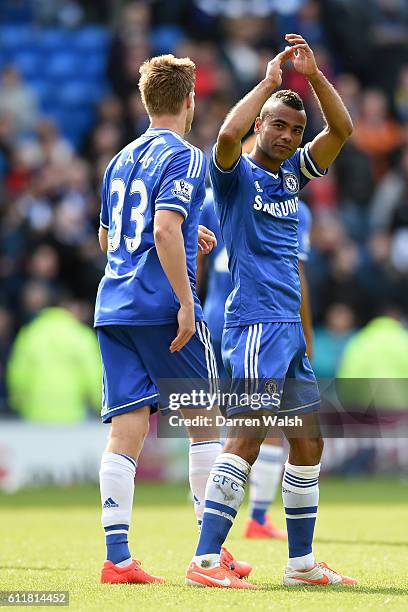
259	515
224	494
117	548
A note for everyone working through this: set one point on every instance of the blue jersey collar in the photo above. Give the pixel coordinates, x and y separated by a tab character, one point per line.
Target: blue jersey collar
258	165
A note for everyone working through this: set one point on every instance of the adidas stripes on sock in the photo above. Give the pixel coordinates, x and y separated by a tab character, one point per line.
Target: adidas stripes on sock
117	475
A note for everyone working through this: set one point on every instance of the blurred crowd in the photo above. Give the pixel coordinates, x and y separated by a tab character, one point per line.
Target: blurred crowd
49	182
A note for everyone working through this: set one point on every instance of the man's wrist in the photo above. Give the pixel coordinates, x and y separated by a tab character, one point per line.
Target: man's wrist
315	77
187	303
269	84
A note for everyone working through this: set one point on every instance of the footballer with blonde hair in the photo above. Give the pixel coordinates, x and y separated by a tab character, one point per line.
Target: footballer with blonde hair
148	317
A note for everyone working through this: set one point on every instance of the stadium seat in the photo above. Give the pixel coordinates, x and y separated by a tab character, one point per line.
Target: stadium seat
53	39
166	38
62	65
13	37
75	124
91	38
41	87
76	93
28	63
97	91
92	65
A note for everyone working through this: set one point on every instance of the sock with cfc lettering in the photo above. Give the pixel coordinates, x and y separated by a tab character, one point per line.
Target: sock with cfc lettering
223	496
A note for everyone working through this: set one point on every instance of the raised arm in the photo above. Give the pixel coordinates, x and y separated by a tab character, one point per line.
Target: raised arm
242	116
328	143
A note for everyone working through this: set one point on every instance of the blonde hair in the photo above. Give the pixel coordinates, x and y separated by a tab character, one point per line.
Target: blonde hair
165	82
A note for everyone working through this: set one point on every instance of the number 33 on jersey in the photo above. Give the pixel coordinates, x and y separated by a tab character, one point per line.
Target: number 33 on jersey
157	171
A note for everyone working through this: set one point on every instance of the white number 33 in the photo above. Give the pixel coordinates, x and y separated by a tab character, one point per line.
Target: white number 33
118	186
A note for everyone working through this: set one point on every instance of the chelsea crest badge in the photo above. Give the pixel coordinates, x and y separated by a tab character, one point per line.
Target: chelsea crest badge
291	182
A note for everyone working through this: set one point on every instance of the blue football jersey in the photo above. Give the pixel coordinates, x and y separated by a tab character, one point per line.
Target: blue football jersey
304	225
219	284
219	280
258	212
157	171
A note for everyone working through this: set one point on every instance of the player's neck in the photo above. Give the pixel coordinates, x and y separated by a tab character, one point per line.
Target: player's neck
264	160
175	123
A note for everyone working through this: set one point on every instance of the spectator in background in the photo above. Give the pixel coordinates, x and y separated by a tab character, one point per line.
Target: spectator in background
388	32
43	267
110	111
330	339
17	100
130	47
376	278
54	373
6	142
35	295
6	339
137	120
349	88
355	185
327	236
377	352
401	94
390	194
24	160
242	37
54	148
309	22
105	141
376	133
342	282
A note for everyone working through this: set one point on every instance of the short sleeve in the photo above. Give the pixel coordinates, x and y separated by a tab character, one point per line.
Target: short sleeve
305	222
182	176
224	181
104	216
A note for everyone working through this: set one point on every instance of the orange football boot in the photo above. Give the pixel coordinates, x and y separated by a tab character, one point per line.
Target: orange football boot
132	573
220	577
241	568
253	529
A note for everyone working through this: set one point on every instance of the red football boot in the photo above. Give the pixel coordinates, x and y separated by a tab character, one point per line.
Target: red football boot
220	577
253	529
241	568
132	573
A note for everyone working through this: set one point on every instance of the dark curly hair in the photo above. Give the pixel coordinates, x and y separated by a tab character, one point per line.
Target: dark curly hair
286	96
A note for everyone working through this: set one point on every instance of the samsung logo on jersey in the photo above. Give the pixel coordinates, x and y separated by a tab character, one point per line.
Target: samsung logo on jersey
277	209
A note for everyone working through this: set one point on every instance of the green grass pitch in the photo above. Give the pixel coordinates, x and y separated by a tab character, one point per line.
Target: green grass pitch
52	539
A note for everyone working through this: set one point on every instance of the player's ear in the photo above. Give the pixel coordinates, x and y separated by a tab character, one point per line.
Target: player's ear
257	126
190	99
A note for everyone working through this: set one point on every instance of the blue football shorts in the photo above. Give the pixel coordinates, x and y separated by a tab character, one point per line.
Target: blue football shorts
136	358
269	359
